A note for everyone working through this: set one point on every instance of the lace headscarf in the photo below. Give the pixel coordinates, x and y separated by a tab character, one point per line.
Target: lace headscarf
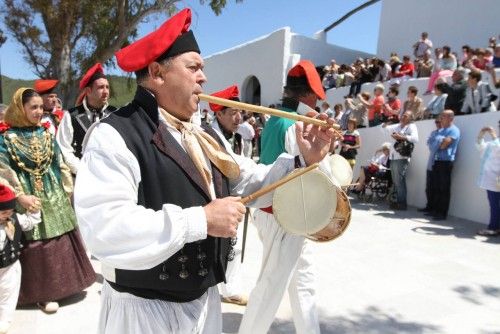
15	115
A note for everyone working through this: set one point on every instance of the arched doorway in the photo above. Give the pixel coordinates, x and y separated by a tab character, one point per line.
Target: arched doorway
250	91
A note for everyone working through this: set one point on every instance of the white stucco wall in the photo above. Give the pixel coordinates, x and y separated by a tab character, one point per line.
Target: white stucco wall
269	58
263	58
450	22
320	53
467	200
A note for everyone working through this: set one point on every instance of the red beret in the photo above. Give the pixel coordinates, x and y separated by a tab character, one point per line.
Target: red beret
171	39
7	198
305	74
43	86
94	73
230	93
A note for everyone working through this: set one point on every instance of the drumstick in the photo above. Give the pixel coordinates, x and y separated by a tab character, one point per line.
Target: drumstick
265	110
278	183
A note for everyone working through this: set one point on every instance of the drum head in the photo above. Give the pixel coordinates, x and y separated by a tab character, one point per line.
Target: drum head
306	204
341	170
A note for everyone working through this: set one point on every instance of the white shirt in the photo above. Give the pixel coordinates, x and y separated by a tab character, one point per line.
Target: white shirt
411	133
125	235
489	172
26	221
246	131
64	137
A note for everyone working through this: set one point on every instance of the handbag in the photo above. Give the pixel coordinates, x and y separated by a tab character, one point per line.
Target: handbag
404	147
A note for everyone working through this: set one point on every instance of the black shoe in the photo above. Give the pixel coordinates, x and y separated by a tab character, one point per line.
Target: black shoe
439	217
430	214
426	209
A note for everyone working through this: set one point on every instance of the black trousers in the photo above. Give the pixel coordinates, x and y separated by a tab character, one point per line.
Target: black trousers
428	190
440	187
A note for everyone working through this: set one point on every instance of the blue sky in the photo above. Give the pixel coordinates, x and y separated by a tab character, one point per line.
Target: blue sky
239	23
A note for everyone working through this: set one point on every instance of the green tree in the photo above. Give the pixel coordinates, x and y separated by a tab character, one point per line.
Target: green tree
62	38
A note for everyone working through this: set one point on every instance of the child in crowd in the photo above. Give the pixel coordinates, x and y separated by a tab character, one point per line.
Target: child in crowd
11	227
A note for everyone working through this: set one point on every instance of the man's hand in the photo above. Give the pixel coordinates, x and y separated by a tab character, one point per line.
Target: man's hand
314	141
397	136
223	216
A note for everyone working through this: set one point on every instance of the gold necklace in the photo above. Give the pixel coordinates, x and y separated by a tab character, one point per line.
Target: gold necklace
35	149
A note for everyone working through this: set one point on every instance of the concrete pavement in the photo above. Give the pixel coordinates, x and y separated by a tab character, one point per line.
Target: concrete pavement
389	273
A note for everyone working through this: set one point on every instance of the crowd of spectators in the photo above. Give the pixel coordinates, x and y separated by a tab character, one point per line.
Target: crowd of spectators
465	83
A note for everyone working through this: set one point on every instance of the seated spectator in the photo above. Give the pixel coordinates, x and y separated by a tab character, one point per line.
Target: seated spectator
395	64
436	105
413	104
478	63
377	168
488	178
496	56
425	65
467	55
478	95
384	71
392	107
328	81
351	142
488	55
405	70
375	105
325	108
337	112
423	45
357	111
456	91
447	64
348	75
362	76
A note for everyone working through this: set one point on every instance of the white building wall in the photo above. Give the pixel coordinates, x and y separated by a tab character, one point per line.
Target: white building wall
451	22
321	53
263	58
467	200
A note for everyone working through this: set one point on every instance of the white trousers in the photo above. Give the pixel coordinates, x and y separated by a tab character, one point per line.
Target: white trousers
124	313
10	282
233	287
286	262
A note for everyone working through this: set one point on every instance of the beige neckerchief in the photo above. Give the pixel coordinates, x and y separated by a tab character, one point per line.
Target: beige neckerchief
197	142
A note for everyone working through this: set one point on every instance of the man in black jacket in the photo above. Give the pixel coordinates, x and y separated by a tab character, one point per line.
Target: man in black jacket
153	192
456	92
92	105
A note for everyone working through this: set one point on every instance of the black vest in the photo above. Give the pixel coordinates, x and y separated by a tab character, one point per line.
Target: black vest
12	249
168	175
81	123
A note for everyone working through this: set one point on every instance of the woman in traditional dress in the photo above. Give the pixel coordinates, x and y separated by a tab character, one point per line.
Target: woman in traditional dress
53	260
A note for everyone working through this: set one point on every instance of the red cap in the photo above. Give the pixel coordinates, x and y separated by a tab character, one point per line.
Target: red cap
304	73
230	93
94	73
7	198
163	42
43	86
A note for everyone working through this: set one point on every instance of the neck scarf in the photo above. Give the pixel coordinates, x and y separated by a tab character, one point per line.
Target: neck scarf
197	143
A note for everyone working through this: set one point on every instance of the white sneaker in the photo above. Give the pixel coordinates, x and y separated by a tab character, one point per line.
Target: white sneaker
4	327
49	307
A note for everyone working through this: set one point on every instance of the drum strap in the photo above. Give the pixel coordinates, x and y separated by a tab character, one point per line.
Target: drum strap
269	209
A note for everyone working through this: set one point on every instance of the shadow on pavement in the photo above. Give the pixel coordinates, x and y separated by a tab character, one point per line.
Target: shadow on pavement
371	320
476	294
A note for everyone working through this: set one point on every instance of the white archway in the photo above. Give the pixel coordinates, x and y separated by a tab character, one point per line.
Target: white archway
250	90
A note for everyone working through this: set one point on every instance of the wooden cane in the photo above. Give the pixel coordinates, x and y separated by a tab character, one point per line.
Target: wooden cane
278	183
265	110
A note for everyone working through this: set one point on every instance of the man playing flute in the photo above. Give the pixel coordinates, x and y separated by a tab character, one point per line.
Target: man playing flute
155	193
